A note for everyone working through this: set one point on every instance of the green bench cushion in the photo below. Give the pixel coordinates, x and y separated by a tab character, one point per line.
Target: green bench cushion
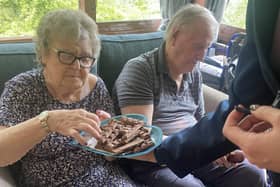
14	59
118	49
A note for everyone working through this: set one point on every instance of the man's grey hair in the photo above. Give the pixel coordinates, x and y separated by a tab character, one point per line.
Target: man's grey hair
187	16
65	25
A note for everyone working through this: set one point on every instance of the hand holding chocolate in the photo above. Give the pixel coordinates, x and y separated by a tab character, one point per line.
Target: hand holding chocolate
125	135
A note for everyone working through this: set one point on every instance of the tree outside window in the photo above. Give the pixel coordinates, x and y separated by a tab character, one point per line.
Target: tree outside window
120	10
235	13
20	17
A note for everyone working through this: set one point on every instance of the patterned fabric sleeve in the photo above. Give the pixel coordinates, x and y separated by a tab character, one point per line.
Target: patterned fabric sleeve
104	98
14	101
6	104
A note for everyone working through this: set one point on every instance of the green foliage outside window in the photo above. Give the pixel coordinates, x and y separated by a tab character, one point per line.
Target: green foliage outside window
113	10
21	17
235	13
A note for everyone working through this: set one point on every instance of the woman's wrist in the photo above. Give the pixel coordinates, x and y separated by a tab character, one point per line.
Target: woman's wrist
43	117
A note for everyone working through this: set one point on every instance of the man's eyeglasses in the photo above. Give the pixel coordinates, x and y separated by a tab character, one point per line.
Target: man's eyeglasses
68	58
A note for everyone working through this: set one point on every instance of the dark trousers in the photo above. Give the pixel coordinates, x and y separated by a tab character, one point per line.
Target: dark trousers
243	175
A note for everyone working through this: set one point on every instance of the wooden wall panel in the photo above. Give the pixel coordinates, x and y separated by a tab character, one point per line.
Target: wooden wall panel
128	27
226	31
140	26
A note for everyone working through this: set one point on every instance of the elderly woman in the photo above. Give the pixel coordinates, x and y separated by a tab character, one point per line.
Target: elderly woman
43	109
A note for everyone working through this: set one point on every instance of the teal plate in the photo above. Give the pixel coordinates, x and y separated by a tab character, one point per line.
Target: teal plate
156	136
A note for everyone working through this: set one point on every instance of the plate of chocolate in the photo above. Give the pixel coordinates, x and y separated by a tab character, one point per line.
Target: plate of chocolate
124	136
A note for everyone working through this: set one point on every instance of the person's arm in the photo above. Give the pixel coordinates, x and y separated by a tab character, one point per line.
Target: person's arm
134	89
146	110
196	146
17	140
21	129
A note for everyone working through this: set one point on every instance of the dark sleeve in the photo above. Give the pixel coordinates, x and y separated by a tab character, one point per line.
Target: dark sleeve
203	143
195	146
134	84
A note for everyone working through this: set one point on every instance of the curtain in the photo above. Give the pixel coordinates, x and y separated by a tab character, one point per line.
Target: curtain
217	7
169	7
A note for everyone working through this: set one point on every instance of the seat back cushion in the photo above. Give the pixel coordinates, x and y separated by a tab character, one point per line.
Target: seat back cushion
14	59
118	49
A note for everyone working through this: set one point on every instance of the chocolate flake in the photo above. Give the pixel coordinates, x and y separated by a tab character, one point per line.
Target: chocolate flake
126	135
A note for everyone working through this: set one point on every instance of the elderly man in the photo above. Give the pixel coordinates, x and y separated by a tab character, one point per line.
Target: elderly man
165	85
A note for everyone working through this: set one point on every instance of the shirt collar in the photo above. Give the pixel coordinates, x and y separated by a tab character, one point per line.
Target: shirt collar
162	64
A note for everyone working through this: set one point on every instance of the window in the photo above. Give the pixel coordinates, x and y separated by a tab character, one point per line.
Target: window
119	10
235	13
20	18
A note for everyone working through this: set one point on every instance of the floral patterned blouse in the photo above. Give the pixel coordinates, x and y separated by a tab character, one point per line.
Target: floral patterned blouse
54	162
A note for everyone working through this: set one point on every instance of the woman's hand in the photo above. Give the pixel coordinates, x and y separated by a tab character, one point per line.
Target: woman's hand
103	115
258	135
71	122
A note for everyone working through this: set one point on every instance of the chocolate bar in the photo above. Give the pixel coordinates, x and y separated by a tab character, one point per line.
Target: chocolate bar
123	136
